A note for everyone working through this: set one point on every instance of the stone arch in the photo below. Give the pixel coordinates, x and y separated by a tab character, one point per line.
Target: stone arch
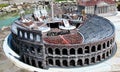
72	51
93	60
98	58
57	51
32	49
93	49
26	47
108	44
99	47
110	51
86	61
50	61
22	59
33	62
104	45
79	62
103	56
65	63
25	35
37	38
107	53
31	36
39	64
64	52
21	34
57	62
50	51
72	63
38	50
80	51
27	60
87	50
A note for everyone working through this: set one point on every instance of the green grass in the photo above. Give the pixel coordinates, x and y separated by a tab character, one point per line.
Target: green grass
3	5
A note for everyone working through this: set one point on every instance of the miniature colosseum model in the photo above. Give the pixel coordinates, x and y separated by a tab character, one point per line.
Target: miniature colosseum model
55	44
100	7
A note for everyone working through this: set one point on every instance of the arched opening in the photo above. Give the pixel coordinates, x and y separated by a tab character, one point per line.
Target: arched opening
104	46
87	50
103	56
31	36
107	54
79	62
40	64
72	63
57	62
72	51
108	44
37	38
99	47
21	34
27	60
110	51
65	63
25	35
57	51
39	50
50	51
32	50
80	51
50	61
22	59
64	52
33	62
93	49
98	58
86	61
93	60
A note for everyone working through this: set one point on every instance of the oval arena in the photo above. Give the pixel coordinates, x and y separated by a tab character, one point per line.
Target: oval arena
91	42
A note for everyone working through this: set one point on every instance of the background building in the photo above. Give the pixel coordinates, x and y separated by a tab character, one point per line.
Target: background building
106	7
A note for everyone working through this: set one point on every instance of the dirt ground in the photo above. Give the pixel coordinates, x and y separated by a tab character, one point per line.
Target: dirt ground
5	64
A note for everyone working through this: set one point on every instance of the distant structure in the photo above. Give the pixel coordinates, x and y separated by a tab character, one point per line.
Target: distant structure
99	7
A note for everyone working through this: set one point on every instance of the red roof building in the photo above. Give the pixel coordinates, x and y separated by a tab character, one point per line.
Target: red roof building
100	7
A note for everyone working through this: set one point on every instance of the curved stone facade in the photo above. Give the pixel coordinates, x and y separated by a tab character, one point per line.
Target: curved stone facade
33	50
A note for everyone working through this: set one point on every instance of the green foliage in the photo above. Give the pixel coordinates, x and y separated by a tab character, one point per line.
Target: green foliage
3	5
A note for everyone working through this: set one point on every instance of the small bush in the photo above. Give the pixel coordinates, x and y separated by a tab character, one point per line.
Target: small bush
4	5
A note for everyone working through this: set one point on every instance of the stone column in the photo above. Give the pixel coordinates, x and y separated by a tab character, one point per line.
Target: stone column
83	60
68	60
61	52
44	57
24	58
36	61
61	63
54	62
30	60
75	61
